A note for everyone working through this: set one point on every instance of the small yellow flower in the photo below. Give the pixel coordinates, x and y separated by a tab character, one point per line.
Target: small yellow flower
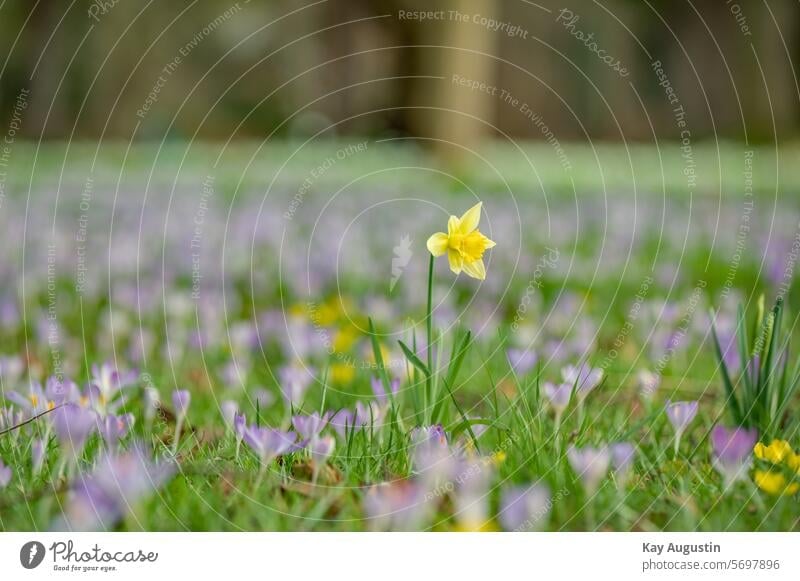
342	373
774	483
793	462
463	243
776	452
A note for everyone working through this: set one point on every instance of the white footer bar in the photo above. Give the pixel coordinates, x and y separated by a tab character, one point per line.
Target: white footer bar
355	556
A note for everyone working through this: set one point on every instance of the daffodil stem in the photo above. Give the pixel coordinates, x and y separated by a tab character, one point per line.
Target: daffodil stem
429	328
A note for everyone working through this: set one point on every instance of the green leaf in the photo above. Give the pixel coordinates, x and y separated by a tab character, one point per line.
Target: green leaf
732	401
414	360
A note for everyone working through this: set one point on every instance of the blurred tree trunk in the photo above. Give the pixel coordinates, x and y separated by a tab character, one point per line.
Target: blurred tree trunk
460	115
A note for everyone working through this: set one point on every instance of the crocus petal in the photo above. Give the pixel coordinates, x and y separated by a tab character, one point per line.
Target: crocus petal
456	262
437	244
475	269
470	219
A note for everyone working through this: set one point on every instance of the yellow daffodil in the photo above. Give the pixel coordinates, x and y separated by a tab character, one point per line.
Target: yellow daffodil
776	452
463	243
774	483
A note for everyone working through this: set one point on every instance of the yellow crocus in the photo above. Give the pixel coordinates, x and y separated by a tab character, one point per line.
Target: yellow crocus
463	243
774	483
776	452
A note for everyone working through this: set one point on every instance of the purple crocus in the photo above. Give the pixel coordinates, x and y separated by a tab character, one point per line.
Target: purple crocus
364	416
321	449
239	427
524	508
584	378
680	415
648	383
112	428
623	455
380	393
5	474
38	449
180	401
106	382
591	465
432	458
471	498
310	426
268	443
117	483
732	450
521	360
229	409
181	398
558	396
294	381
73	425
152	401
398	506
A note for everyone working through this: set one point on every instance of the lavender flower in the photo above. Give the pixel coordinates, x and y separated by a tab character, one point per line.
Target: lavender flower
38	449
380	392
680	415
521	360
346	420
623	455
524	508
471	498
309	427
5	475
112	428
648	383
106	382
268	443
229	409
732	450
591	464
152	401
397	506
39	399
118	482
431	455
295	381
180	401
558	396
73	425
585	379
321	449
239	427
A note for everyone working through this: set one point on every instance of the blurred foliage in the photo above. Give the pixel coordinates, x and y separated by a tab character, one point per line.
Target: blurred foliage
256	67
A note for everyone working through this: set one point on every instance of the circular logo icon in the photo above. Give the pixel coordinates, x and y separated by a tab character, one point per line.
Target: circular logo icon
31	554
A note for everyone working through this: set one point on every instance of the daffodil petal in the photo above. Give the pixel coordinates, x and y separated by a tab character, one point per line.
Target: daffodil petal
437	244
475	269
456	262
471	218
489	243
453	226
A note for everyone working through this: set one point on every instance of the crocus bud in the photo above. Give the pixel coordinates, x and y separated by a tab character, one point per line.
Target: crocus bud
229	410
38	449
180	401
5	475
